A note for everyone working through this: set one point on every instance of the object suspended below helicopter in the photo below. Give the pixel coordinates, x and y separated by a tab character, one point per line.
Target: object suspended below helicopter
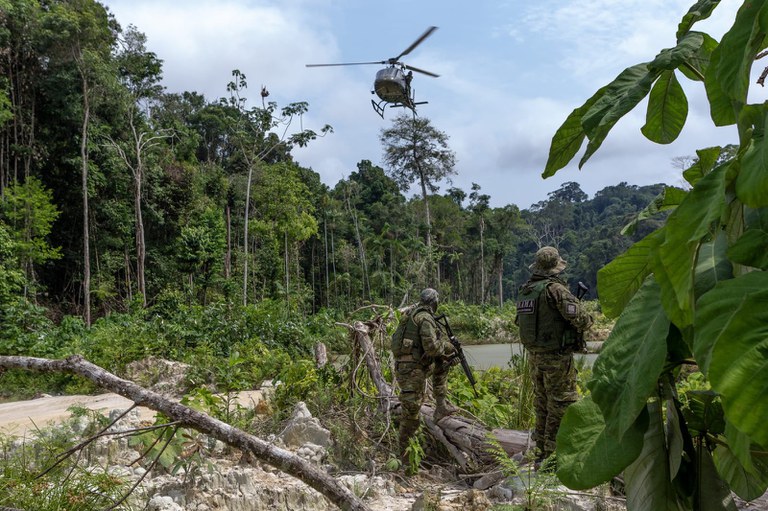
393	83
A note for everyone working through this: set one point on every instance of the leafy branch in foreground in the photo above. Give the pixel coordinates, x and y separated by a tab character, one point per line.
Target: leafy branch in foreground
694	290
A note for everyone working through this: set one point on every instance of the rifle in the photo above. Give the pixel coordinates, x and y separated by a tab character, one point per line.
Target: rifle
442	320
582	291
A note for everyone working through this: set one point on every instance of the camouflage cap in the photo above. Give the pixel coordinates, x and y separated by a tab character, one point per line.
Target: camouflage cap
429	296
547	262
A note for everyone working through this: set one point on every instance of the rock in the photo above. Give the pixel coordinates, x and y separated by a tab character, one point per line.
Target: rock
488	480
500	493
368	488
472	500
165	377
300	412
429	500
302	429
311	452
163	503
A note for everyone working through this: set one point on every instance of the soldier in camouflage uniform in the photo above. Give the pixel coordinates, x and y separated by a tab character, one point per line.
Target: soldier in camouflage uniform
552	322
419	351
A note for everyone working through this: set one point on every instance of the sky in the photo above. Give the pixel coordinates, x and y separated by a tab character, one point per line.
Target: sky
510	73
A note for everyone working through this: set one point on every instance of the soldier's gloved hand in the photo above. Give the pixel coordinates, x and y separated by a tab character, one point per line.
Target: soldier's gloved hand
451	355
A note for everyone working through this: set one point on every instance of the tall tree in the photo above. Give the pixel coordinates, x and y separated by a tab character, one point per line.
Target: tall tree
479	204
140	72
415	151
87	41
256	143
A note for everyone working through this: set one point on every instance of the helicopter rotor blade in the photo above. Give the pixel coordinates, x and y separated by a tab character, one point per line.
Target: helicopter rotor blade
428	73
347	64
416	43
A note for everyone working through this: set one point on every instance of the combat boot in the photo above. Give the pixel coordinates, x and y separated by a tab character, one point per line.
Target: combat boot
443	408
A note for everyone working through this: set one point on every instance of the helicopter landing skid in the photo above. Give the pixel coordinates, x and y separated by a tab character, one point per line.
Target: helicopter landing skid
381	105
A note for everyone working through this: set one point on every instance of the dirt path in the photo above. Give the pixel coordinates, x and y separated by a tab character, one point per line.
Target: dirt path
19	417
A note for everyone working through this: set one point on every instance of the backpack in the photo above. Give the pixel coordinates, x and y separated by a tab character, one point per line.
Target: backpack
397	337
400	348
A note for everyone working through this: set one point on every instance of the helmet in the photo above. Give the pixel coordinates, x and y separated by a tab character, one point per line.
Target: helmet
429	297
547	262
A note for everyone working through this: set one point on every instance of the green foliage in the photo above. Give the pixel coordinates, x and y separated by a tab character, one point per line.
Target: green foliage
538	488
506	395
11	279
414	453
481	324
688	292
29	211
69	485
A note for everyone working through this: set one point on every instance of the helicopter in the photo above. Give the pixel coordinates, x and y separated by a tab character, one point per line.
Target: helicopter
393	84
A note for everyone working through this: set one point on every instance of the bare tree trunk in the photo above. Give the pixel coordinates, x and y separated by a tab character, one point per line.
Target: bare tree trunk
287	272
427	218
501	282
228	253
327	281
279	458
84	177
482	260
321	355
141	252
245	234
360	247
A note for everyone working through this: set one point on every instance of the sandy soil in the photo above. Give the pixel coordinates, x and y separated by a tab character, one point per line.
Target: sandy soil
19	417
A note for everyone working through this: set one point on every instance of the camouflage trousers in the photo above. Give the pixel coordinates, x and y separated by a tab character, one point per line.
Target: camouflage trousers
412	378
554	389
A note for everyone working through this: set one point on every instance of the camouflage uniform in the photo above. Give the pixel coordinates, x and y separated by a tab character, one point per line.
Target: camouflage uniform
423	354
552	322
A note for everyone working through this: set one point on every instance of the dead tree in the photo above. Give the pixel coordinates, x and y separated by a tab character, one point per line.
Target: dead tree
467	440
185	416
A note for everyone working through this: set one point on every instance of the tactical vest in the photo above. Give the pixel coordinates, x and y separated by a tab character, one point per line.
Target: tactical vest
406	339
542	327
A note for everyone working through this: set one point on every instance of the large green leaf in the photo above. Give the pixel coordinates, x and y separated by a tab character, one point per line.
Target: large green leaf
712	265
704	413
695	68
619	280
740	44
747	483
752	181
686	227
701	10
647	480
671	58
751	249
722	109
667	110
568	138
674	439
740	445
731	346
586	455
713	493
621	96
627	370
705	162
670	198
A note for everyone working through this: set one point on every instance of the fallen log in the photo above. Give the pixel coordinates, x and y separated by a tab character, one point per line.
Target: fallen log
466	439
185	416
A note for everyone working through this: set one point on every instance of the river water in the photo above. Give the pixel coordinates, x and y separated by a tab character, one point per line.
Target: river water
485	356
